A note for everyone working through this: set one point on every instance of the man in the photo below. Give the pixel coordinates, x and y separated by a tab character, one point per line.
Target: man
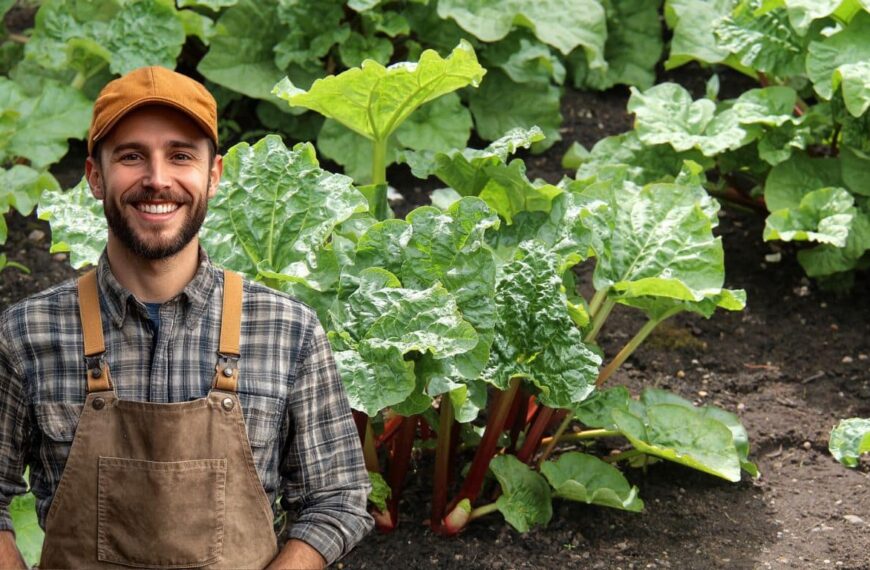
162	404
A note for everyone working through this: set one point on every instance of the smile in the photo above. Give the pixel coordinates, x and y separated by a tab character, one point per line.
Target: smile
162	208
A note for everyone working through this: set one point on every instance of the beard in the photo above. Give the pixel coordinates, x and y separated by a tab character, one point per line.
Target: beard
152	247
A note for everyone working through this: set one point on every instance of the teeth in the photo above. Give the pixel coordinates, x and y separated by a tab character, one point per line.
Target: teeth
157	208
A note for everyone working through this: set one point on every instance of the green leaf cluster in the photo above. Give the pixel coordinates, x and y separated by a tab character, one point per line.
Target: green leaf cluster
849	440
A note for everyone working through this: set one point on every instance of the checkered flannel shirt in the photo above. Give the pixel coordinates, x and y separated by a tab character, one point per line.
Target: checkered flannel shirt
299	423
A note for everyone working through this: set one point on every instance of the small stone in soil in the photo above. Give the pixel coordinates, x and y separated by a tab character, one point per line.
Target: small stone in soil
36	235
808	445
854	519
681	374
741	406
862	357
702	393
59	257
848	360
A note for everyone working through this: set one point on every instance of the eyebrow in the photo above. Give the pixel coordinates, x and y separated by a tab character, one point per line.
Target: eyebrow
174	144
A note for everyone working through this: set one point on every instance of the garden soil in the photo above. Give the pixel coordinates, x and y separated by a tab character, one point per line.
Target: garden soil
791	365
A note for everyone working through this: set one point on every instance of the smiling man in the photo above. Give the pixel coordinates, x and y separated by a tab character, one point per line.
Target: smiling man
164	405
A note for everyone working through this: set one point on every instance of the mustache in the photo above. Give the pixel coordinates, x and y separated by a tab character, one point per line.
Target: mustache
151	196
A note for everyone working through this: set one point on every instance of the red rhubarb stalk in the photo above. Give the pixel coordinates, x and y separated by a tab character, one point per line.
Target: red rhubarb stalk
403	446
391	428
517	420
442	463
536	432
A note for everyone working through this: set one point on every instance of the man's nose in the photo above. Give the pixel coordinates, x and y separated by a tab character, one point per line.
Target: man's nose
157	176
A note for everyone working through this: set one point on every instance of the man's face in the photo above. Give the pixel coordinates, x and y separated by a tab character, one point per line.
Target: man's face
155	177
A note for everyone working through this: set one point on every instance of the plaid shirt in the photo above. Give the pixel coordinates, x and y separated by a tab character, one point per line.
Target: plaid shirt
299	424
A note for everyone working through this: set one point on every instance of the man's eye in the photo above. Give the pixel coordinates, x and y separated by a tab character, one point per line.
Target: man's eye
182	156
130	156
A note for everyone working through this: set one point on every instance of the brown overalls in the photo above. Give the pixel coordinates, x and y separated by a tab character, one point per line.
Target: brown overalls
160	485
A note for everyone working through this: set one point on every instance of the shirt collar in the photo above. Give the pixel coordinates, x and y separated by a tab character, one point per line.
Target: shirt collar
116	299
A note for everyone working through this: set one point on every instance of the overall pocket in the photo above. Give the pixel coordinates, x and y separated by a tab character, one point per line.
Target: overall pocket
155	514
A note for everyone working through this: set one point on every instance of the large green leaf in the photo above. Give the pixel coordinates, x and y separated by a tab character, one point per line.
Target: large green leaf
802	13
241	54
382	322
666	113
634	47
374	100
829	260
762	42
693	22
501	105
563	24
849	440
823	216
466	171
525	495
789	181
842	60
77	223
28	534
585	478
21	187
275	211
535	337
682	435
658	241
38	128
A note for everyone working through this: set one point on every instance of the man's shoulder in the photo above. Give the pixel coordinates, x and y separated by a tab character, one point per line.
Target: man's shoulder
261	298
54	299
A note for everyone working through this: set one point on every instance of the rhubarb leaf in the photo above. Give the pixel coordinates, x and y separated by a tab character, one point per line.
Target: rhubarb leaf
78	226
535	337
275	211
843	59
693	22
666	113
855	170
829	260
525	60
564	24
682	435
21	187
525	501
823	216
595	411
374	100
501	105
789	181
586	479
849	440
28	534
802	13
380	491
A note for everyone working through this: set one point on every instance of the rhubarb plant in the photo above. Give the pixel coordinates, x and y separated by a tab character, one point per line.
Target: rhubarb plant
849	440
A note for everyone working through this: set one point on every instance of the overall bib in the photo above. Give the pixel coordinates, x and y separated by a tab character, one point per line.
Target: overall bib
160	485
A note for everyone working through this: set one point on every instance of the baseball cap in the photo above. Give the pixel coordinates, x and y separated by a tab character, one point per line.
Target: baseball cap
152	86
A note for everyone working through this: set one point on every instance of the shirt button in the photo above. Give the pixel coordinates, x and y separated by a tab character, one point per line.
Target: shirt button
227	404
99	403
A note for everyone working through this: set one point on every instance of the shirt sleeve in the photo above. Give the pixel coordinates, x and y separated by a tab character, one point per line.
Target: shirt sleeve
323	470
14	429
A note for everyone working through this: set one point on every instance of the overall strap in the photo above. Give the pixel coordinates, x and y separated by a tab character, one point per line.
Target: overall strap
226	376
98	376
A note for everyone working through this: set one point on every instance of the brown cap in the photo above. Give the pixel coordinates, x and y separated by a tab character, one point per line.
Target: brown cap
152	86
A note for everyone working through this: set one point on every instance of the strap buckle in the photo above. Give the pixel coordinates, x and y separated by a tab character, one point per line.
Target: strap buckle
96	365
227	364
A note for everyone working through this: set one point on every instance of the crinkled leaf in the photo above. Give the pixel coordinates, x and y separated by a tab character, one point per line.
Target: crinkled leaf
823	216
682	435
77	223
501	105
658	241
829	260
241	54
358	48
374	379
849	440
789	181
466	170
21	187
380	491
763	42
311	29
509	192
28	534
535	336
525	500
842	59
666	114
633	48
769	106
38	128
564	24
586	479
594	412
692	22
374	100
645	163
525	60
144	33
275	210
777	145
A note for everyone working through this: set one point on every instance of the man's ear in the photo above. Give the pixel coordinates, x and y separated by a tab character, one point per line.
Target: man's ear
95	178
214	175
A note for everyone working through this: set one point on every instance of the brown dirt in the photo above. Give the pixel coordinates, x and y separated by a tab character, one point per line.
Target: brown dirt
792	364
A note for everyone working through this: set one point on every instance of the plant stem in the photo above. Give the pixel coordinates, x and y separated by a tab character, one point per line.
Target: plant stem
555	439
597	299
379	161
370	454
485	451
482	511
624	455
79	80
390	429
598	321
580	436
399	463
536	431
442	463
517	419
626	351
